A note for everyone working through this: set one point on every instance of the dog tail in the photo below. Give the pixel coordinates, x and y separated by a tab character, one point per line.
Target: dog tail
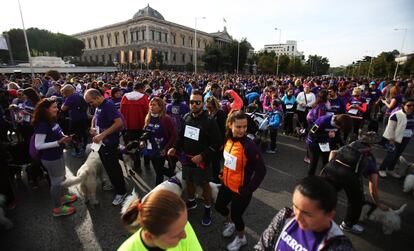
75	180
401	209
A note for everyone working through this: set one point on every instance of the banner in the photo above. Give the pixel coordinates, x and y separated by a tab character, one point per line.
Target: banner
3	43
142	56
122	61
149	59
130	57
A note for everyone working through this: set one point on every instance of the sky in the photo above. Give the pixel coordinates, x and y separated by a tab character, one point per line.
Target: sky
342	31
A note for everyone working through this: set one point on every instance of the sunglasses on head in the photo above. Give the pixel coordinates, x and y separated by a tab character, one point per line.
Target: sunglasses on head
197	102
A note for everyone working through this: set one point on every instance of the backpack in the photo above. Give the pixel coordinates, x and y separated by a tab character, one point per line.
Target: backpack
275	120
33	152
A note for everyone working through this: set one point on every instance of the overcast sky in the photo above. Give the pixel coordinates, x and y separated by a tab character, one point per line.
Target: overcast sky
342	31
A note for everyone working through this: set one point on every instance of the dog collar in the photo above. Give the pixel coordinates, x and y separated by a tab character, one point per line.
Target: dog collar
175	181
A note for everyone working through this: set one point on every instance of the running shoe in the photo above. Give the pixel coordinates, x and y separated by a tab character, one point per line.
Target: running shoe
67	198
237	243
191	204
356	228
229	228
63	210
118	199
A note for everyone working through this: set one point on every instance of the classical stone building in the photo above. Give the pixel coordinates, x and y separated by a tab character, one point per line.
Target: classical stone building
147	34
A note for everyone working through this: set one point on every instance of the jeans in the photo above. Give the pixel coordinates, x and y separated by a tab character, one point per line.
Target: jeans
342	177
392	157
109	157
239	204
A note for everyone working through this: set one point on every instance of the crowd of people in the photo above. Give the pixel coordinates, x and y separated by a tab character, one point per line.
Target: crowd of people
217	126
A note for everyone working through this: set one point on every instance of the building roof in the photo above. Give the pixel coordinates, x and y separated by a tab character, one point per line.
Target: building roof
222	35
148	12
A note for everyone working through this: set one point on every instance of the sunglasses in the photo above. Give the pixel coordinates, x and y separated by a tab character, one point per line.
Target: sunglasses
409	105
197	102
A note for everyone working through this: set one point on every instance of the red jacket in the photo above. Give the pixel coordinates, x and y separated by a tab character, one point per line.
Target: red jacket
134	108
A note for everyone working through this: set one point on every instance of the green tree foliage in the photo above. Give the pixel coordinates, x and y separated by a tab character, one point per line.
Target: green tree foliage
224	58
43	43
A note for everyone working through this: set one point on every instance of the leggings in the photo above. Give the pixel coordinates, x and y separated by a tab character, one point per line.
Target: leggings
238	205
56	171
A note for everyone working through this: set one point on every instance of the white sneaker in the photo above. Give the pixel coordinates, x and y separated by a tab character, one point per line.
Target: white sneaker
382	174
119	198
356	228
229	229
237	243
270	151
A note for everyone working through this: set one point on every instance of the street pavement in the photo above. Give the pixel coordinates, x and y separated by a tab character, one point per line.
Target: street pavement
99	228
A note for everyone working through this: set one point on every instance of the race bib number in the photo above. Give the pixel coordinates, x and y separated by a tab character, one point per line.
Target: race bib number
149	145
324	147
289	107
192	132
230	161
408	133
353	111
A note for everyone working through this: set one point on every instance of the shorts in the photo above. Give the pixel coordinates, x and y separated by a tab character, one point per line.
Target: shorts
196	175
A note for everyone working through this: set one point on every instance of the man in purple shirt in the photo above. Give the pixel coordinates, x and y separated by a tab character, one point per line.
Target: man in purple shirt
105	128
76	106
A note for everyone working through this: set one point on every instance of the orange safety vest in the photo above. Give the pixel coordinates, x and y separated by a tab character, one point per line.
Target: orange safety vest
234	179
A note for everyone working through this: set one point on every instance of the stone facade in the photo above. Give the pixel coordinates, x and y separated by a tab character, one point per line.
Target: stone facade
138	39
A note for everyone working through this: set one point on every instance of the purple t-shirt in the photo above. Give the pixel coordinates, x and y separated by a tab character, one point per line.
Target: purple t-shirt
77	107
53	133
294	238
105	115
156	139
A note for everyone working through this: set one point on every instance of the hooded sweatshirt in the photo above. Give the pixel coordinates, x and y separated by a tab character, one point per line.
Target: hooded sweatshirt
134	108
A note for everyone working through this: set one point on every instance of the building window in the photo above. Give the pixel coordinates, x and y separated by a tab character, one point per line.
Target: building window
293	48
159	36
183	40
103	58
198	43
166	38
191	58
173	37
132	36
288	48
96	58
116	38
125	36
143	34
166	56
89	43
108	36
191	42
101	38
95	43
152	35
110	57
174	56
183	58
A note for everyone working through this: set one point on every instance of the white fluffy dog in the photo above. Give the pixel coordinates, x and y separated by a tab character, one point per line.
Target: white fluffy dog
409	184
86	177
390	219
4	221
175	184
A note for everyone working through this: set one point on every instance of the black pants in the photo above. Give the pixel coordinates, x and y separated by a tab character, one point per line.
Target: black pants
302	122
131	135
273	138
288	123
238	205
79	128
392	157
315	153
343	177
109	157
216	166
158	164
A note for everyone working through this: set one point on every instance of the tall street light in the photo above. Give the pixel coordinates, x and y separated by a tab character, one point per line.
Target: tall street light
27	43
402	46
278	54
238	56
195	43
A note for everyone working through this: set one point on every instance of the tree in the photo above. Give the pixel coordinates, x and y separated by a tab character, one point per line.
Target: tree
318	65
42	43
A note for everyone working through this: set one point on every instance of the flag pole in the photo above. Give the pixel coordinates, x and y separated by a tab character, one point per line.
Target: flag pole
27	43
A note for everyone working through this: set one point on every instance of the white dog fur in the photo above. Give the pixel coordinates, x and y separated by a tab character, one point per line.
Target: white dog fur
390	219
173	187
86	177
409	184
4	221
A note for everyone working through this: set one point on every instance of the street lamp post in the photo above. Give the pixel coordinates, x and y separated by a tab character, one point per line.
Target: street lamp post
278	54
402	46
195	43
26	41
238	56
